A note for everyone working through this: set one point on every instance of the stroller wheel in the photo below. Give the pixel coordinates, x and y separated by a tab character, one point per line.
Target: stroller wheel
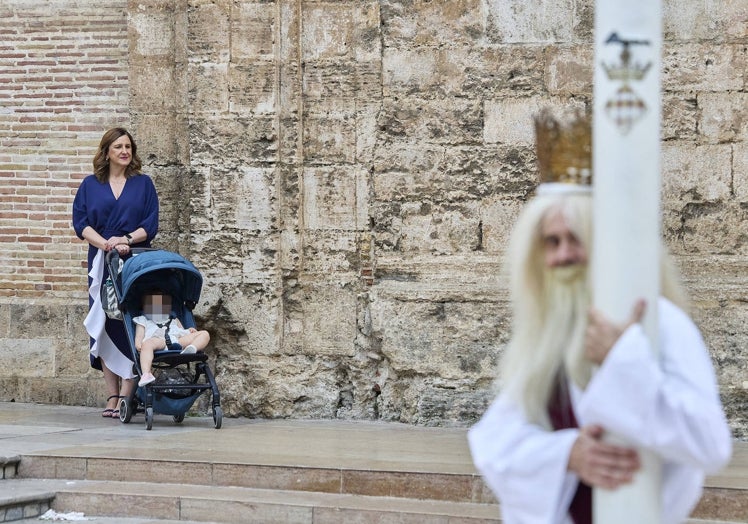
148	418
125	411
217	416
178	418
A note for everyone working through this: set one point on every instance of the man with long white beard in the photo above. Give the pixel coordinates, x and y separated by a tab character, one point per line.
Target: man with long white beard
567	364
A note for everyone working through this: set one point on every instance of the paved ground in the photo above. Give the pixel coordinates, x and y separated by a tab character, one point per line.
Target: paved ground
81	431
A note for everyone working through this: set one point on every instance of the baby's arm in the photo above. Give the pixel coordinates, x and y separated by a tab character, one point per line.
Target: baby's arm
179	324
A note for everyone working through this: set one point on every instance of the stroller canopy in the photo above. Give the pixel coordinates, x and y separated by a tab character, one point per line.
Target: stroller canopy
167	271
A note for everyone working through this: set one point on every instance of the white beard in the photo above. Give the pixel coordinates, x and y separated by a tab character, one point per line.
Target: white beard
549	340
567	302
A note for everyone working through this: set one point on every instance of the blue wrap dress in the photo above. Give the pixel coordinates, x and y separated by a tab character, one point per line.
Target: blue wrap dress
95	205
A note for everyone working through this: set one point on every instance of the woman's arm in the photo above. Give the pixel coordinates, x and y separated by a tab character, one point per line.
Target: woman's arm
92	237
137	236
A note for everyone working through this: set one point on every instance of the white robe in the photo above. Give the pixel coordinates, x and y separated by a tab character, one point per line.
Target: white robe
670	405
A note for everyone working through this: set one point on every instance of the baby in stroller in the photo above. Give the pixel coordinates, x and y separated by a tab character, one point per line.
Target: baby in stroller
157	329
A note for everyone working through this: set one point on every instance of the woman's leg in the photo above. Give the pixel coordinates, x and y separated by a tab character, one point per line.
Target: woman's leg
126	386
112	386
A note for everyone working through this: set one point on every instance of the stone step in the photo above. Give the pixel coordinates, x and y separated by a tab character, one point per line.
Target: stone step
449	487
725	497
19	501
9	466
201	503
110	502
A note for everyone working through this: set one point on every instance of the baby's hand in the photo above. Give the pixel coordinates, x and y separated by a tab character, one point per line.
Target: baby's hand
192	330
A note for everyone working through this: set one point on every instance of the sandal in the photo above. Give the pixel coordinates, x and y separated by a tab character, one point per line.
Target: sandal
110	412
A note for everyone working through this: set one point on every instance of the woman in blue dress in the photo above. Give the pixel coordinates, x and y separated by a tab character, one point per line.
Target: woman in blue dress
114	208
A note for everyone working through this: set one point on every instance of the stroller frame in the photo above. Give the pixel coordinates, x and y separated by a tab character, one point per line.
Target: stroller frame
179	278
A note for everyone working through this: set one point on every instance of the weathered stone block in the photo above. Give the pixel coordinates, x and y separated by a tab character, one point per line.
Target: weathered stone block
740	171
254	199
452	121
219	256
700	67
679	117
684	166
330	138
327	32
335	198
148	82
29	357
5	327
159	138
327	252
440	229
152	34
450	340
724	116
570	71
714	228
253	26
406	171
330	87
332	31
511	121
497	221
209	87
529	21
209	25
223	142
704	20
329	318
431	24
252	87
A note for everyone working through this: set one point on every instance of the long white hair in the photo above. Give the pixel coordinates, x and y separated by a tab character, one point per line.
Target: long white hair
549	320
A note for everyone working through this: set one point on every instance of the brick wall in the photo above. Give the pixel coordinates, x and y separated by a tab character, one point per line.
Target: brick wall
63	82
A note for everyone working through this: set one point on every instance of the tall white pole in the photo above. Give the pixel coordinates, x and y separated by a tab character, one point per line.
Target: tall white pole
626	165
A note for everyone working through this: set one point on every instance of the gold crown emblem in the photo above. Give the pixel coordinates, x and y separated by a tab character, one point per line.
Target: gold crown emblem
564	149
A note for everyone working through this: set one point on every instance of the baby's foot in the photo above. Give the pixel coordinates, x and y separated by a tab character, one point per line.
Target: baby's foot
146	379
189	350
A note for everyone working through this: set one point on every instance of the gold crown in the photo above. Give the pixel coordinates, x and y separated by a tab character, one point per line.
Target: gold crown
564	149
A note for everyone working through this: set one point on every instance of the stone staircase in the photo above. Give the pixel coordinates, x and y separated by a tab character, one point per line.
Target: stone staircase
187	491
311	472
204	492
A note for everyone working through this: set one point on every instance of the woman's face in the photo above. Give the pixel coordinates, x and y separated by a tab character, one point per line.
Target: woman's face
120	152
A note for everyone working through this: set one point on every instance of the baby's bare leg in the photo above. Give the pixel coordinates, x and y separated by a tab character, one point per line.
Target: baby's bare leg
199	339
146	352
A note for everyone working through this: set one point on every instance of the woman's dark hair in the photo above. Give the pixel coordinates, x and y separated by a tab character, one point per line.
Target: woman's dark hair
101	159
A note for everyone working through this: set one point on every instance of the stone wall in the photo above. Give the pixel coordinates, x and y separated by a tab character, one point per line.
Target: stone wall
345	175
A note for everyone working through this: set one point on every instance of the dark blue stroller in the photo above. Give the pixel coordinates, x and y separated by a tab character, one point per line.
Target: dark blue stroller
178	385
